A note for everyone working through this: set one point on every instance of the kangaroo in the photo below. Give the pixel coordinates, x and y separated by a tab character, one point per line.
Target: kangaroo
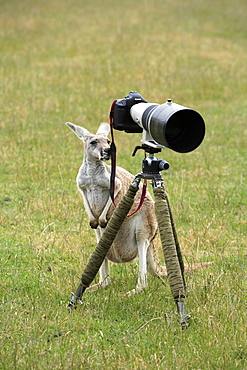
137	233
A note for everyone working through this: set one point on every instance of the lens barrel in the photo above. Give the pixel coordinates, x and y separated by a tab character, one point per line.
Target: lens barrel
174	126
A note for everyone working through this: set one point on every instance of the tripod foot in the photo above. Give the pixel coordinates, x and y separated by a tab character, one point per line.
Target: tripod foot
76	297
184	320
73	302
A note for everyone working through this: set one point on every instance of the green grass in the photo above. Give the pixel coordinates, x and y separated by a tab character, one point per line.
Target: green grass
67	61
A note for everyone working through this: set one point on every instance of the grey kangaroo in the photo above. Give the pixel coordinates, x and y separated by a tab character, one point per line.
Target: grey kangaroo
136	235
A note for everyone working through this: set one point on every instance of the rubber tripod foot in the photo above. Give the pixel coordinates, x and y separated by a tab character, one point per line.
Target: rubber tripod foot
184	320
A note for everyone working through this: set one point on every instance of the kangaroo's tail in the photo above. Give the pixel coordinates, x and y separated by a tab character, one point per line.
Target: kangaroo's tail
156	269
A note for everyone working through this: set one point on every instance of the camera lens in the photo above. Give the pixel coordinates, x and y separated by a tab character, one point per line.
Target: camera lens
171	125
181	130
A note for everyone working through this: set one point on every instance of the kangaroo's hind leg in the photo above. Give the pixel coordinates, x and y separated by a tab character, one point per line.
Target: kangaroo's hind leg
142	283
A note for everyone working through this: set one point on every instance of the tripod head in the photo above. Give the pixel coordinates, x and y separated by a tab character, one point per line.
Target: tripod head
151	166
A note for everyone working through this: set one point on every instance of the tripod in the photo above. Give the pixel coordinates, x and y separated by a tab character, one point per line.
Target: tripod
151	168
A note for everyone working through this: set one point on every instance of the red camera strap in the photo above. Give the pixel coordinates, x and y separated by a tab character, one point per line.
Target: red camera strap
144	190
114	165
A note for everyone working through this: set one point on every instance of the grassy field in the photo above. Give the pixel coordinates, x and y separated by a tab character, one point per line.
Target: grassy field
67	61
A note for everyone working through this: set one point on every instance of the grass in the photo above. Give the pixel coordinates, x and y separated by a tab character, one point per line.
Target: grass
63	61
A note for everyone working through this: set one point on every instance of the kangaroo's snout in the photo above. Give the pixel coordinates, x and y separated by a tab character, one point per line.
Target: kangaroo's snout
106	154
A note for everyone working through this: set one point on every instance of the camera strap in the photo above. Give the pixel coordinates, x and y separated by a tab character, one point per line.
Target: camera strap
113	156
114	165
144	190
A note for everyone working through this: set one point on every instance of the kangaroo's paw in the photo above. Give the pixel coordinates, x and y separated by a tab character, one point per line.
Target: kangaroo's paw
93	288
102	223
94	224
134	291
101	285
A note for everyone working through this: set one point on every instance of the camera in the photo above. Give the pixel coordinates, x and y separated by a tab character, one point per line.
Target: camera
167	125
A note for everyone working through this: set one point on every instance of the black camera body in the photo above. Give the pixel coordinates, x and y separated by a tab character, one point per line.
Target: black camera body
122	119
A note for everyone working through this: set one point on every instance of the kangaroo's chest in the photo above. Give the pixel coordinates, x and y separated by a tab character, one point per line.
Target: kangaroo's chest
94	185
93	179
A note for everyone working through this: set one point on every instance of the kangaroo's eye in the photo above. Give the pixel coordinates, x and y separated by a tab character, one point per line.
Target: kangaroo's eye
94	142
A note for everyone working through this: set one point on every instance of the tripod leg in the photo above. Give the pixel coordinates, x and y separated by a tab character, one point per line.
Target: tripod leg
179	252
105	241
172	254
104	272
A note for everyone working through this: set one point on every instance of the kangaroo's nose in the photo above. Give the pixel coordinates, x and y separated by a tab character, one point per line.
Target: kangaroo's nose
107	151
106	154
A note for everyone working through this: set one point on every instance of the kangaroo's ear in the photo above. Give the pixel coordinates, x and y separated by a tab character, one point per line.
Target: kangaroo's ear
103	129
81	132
